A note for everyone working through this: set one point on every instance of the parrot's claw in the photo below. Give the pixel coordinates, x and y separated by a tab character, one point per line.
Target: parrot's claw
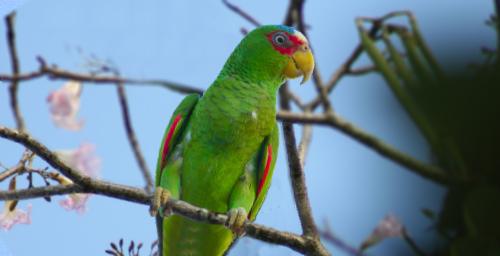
236	218
160	199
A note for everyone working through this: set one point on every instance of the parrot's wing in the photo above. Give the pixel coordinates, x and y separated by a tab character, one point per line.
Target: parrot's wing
263	171
171	138
267	160
172	134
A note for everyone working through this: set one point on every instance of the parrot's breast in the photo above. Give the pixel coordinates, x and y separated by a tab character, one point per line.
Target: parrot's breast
227	128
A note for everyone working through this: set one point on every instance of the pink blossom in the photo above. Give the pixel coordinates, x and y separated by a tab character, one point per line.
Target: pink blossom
84	160
75	202
10	217
389	226
65	104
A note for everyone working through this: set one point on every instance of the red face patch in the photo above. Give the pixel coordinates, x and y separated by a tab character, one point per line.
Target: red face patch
284	42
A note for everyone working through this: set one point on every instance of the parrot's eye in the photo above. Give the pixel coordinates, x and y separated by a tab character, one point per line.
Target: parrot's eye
280	39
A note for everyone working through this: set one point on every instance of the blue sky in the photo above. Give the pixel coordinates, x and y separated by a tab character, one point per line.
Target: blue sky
188	41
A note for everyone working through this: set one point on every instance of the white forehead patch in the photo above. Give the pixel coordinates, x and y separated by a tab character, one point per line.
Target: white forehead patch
300	36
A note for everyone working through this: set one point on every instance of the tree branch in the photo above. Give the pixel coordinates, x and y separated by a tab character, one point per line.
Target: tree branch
133	139
19	167
38	192
85	184
328	235
298	182
318	83
14	60
57	74
427	171
185	209
343	69
297	176
241	13
361	70
42	151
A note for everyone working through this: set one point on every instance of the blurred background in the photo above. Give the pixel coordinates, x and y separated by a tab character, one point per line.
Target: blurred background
351	186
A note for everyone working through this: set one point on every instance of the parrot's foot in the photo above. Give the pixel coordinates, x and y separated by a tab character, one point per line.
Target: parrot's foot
160	199
236	217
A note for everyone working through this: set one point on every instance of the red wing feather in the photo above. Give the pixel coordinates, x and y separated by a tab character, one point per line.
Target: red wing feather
266	170
168	139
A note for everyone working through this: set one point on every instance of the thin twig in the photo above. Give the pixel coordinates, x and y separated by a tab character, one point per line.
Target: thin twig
241	13
361	70
14	60
19	167
317	81
343	69
133	139
427	171
21	77
328	235
42	151
296	99
38	192
57	73
413	245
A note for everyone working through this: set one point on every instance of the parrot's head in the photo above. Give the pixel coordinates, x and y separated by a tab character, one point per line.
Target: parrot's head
275	52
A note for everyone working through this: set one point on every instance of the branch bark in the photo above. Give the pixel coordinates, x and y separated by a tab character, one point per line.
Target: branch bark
61	74
427	171
134	144
297	176
85	184
19	167
14	60
241	12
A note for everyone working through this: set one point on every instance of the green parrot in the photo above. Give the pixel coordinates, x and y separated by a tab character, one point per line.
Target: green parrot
219	150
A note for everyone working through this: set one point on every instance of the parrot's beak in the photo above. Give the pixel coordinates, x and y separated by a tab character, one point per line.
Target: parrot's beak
301	64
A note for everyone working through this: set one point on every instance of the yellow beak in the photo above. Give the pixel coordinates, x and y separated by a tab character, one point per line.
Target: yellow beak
301	63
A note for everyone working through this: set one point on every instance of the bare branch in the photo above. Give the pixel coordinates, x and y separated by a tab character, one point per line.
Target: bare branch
343	69
57	73
241	13
133	139
185	209
297	177
19	167
298	182
328	235
42	151
296	99
39	192
361	70
427	171
413	245
85	184
14	60
318	83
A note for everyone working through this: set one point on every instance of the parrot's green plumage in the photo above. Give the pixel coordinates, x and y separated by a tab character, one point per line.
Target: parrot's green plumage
219	150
